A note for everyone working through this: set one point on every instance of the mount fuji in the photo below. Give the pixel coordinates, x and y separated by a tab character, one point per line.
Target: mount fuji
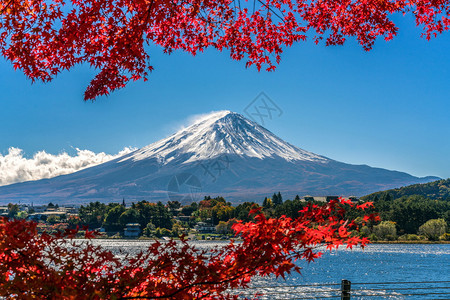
223	154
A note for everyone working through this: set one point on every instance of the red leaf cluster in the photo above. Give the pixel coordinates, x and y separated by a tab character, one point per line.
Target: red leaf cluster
44	37
37	266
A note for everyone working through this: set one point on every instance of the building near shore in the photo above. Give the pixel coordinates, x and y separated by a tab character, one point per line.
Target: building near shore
132	230
203	227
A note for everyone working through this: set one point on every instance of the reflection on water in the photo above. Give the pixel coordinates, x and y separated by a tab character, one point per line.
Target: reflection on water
380	263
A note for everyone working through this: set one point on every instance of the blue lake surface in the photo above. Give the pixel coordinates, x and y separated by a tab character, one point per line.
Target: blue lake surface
380	271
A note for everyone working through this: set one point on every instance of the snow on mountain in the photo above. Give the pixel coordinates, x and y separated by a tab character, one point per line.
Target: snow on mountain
221	133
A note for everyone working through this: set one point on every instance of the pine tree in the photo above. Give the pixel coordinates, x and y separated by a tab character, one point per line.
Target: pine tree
267	203
388	197
277	199
280	199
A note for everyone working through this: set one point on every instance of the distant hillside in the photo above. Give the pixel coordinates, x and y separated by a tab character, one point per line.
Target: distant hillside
439	189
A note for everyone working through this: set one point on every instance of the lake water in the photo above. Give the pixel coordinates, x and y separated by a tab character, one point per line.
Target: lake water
381	271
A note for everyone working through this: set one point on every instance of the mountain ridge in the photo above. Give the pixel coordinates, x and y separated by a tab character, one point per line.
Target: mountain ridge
436	190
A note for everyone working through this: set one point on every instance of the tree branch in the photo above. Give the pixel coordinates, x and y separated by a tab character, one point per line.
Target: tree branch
6	7
269	8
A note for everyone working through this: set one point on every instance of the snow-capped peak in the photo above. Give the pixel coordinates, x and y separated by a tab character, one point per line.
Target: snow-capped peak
219	133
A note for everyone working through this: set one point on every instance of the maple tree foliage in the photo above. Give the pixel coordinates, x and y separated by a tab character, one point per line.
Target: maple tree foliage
34	266
44	37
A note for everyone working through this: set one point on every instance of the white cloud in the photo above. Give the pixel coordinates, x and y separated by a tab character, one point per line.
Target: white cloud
14	167
192	119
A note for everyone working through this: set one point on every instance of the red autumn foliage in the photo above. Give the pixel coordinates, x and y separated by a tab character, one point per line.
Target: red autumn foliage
38	266
44	37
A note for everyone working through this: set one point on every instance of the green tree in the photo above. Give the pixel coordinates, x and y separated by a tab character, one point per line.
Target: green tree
22	215
289	208
222	228
111	222
433	229
214	210
267	203
174	205
280	198
13	210
446	214
149	230
222	212
177	229
241	212
130	215
189	209
162	217
386	196
411	212
94	214
147	211
364	231
386	230
277	199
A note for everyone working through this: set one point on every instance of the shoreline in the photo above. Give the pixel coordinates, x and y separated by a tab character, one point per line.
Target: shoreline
146	239
409	242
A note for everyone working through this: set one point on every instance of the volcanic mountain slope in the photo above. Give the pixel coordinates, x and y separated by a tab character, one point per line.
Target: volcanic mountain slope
221	154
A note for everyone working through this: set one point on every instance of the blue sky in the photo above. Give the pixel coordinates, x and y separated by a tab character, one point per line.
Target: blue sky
387	108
